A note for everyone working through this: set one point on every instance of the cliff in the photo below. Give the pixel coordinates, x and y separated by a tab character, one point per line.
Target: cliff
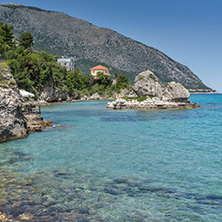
61	34
12	122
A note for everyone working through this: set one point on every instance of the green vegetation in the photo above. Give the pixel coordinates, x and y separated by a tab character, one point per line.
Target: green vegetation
3	64
26	40
139	99
153	77
34	71
84	65
6	38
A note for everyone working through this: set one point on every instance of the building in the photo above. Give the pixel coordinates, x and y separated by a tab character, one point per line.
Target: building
99	68
68	63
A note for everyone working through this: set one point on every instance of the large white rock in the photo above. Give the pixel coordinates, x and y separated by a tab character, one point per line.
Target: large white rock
173	91
147	84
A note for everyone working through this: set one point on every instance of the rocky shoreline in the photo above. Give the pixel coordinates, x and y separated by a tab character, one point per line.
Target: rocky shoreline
150	103
14	122
16	119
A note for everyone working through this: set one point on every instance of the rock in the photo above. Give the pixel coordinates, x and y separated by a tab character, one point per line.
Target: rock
50	94
175	92
63	96
129	93
35	122
75	95
12	122
95	96
172	96
26	216
147	84
4	217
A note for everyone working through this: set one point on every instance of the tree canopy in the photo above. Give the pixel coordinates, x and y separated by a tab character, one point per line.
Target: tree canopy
6	37
34	71
26	40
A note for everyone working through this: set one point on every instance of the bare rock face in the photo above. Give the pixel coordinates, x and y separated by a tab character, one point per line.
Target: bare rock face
129	93
12	122
175	92
147	84
50	95
95	96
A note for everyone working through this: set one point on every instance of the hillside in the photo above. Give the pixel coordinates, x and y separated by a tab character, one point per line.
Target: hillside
61	34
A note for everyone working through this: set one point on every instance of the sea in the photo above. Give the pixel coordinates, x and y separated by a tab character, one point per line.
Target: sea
98	164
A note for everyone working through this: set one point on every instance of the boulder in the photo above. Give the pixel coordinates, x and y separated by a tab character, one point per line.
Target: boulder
95	96
147	84
173	91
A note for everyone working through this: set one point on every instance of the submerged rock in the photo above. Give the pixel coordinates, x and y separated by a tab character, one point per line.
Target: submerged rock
4	217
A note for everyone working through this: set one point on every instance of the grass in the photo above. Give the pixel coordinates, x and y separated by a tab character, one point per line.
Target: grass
139	99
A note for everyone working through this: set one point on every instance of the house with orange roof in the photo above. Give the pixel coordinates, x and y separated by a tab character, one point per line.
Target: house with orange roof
99	68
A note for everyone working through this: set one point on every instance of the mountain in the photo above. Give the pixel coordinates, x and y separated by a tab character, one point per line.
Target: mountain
63	35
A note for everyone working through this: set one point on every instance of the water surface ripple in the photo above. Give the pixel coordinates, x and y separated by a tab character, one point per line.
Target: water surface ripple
108	165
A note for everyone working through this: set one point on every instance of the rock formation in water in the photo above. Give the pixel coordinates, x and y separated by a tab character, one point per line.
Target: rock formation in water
147	84
36	123
12	122
150	95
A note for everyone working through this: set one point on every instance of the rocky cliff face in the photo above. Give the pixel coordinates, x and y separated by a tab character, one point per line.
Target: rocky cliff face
61	34
12	122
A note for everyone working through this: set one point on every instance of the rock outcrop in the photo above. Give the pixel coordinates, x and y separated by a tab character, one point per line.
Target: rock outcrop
95	96
12	122
175	92
35	122
147	84
152	96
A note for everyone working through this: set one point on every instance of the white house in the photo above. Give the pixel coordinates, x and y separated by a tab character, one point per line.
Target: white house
68	63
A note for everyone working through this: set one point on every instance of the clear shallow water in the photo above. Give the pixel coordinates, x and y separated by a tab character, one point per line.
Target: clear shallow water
128	165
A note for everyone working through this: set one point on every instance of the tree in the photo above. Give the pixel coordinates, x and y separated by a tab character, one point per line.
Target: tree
116	74
122	81
26	40
6	37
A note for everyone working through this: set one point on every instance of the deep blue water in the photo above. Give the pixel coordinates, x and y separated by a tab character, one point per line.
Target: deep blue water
127	165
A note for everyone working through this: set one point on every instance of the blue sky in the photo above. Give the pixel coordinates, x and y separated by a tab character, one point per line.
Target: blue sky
189	31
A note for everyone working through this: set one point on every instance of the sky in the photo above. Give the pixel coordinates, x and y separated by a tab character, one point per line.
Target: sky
188	31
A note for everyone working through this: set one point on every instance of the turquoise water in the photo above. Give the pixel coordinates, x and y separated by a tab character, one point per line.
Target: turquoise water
127	165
